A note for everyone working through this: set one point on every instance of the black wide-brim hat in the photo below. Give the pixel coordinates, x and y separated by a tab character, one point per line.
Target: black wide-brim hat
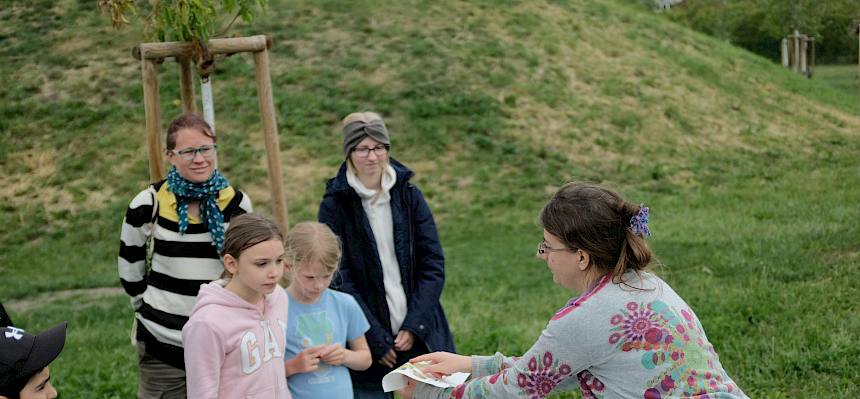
23	354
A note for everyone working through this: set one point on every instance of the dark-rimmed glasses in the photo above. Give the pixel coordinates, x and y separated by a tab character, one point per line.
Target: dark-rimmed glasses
188	154
544	248
364	152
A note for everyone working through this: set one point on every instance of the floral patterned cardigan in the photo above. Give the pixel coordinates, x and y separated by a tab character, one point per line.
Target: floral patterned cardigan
636	339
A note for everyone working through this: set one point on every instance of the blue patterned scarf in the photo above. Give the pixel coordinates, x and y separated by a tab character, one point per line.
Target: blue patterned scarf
207	194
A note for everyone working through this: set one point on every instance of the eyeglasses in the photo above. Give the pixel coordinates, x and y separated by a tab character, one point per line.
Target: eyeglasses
544	248
364	152
188	154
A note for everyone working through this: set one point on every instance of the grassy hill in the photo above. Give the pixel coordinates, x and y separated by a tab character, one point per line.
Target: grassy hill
750	170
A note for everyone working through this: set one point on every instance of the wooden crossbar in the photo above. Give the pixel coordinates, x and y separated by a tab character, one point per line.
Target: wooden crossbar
233	45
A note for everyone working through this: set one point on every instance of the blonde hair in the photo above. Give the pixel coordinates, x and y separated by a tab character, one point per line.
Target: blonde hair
365	117
310	242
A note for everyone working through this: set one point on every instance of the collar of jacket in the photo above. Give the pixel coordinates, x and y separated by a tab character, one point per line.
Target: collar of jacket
339	186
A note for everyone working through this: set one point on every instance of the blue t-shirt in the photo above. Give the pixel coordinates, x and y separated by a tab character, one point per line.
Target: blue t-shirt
335	318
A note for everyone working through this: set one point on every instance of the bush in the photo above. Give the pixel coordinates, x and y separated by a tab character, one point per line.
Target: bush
759	25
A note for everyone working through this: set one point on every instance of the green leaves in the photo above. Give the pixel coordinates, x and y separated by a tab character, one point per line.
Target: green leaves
183	20
759	25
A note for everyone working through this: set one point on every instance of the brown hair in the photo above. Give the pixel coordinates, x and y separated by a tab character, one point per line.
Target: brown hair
309	242
596	220
245	231
187	121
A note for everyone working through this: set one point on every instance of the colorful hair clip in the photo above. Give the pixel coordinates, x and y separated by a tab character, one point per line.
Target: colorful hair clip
639	222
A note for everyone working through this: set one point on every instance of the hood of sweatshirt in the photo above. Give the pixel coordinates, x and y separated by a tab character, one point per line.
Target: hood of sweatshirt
339	185
215	294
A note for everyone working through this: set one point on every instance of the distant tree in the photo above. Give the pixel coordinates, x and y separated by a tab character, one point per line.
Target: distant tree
759	25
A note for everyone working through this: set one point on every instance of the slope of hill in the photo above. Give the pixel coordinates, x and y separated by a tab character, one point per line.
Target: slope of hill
751	170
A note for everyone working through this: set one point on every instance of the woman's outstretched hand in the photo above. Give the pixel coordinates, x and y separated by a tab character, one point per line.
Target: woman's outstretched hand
444	363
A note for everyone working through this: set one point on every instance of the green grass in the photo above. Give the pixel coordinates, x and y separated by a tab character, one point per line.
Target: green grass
845	78
98	353
750	170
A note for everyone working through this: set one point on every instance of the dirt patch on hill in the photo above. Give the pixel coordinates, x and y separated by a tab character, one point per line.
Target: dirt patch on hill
39	300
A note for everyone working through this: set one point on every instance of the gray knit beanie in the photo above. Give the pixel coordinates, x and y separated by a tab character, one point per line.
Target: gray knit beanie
356	131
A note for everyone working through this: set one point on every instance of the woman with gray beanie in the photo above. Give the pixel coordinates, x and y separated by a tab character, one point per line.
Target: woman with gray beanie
392	259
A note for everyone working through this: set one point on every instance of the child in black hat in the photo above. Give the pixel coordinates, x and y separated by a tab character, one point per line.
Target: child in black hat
24	360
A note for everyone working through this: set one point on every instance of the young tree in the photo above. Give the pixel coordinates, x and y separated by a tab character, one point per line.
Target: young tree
181	20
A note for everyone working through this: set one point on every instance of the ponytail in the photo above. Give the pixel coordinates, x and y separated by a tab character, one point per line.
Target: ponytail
599	221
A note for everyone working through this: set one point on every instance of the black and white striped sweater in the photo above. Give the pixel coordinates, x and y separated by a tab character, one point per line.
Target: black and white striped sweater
164	292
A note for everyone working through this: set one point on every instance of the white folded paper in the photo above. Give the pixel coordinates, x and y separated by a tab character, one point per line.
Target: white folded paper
396	379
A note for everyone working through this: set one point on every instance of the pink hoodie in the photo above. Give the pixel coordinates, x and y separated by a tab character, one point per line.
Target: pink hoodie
231	349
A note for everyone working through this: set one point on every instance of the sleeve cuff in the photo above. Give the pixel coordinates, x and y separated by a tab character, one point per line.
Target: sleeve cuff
136	302
483	366
379	349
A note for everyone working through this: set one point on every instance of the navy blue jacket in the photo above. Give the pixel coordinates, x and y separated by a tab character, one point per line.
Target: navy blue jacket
422	268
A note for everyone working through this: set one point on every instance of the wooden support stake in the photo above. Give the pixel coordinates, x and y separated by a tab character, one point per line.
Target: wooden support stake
186	91
270	132
803	66
796	45
215	46
811	66
152	111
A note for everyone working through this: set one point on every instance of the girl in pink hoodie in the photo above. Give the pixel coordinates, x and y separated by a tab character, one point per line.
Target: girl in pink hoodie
234	340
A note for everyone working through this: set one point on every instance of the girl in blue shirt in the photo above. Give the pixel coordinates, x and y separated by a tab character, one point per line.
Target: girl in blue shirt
325	328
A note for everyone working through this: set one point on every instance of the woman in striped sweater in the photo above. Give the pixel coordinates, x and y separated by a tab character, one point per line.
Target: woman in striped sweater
182	220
